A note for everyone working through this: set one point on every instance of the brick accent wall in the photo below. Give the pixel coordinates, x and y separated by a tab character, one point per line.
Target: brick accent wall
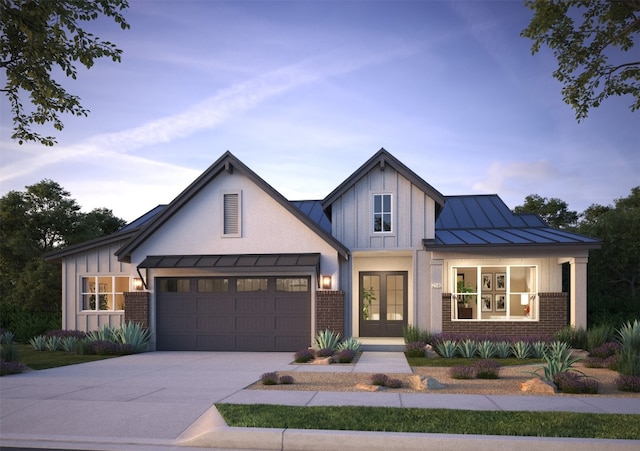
552	317
136	307
330	311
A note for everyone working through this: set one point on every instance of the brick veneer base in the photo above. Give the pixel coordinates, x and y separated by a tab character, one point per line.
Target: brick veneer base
330	311
552	312
136	308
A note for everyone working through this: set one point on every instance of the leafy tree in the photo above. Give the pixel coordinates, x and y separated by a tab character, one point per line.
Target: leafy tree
614	270
39	220
590	39
554	211
41	37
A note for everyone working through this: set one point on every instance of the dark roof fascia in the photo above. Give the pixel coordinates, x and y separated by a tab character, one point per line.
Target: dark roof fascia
430	245
57	255
227	162
381	159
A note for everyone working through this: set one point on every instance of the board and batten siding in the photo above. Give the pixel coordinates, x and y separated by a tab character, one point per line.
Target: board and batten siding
95	262
413	213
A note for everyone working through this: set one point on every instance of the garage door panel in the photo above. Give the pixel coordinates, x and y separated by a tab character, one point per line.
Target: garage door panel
233	321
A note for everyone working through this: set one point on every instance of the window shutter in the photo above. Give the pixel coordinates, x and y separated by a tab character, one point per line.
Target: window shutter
231	214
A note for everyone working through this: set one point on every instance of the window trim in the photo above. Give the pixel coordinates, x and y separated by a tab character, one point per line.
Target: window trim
534	315
223	214
113	292
382	213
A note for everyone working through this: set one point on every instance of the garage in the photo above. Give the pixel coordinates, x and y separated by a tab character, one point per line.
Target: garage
252	313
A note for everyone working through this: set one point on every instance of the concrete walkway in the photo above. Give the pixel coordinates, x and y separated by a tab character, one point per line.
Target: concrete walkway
164	400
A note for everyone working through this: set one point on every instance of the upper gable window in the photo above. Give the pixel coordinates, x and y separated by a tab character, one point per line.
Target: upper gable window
232	214
382	213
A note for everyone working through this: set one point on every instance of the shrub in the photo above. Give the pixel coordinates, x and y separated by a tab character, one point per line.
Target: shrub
39	343
345	356
9	352
53	343
629	355
521	350
575	338
571	382
379	379
269	379
597	362
27	323
599	335
415	349
446	348
102	347
6	337
606	350
628	383
11	368
413	334
538	349
286	380
104	334
324	352
487	369
393	383
303	356
132	334
559	360
462	372
62	333
349	343
68	343
468	348
503	349
83	347
326	339
487	349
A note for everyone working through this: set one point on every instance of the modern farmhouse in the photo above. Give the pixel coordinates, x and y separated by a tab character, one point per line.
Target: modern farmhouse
230	264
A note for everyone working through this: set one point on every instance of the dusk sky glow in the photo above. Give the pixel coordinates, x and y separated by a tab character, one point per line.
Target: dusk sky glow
304	92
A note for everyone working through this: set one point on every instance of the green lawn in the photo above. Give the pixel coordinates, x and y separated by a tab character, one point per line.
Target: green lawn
441	421
41	360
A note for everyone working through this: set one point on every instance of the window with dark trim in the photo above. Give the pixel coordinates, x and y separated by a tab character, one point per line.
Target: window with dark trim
382	213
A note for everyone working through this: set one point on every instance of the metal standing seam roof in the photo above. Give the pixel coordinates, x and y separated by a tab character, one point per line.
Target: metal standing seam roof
485	220
234	261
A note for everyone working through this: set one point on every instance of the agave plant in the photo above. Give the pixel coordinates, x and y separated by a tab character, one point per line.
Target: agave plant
468	348
104	334
68	343
503	349
132	334
349	343
447	348
559	360
487	349
53	343
538	349
39	343
327	339
521	349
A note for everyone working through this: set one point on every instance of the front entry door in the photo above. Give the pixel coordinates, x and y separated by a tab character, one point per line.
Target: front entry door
383	303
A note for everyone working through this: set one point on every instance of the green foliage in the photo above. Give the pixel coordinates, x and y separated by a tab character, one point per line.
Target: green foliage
9	352
575	337
132	334
467	348
503	349
349	344
446	348
368	296
326	339
413	333
39	39
107	333
554	211
6	337
538	349
39	342
558	359
487	349
590	40
628	358
521	350
598	335
53	343
435	421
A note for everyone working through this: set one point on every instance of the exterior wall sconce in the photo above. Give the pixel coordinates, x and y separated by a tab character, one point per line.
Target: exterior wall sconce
137	284
326	282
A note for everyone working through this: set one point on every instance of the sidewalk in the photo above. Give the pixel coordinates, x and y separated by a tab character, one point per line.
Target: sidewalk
165	400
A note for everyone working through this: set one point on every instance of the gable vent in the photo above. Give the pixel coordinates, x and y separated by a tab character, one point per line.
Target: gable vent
231	214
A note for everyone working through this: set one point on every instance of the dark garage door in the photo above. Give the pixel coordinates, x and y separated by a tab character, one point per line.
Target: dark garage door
233	313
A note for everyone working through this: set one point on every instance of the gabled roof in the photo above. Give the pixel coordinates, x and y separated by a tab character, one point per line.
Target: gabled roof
313	209
485	220
226	163
124	233
382	158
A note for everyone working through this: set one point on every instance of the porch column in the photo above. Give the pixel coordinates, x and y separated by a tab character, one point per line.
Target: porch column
578	301
435	320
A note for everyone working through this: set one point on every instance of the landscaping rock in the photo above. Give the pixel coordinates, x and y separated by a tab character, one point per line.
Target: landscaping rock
369	387
424	383
322	361
537	385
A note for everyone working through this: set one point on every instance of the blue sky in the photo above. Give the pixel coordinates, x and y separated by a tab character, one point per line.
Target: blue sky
305	92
